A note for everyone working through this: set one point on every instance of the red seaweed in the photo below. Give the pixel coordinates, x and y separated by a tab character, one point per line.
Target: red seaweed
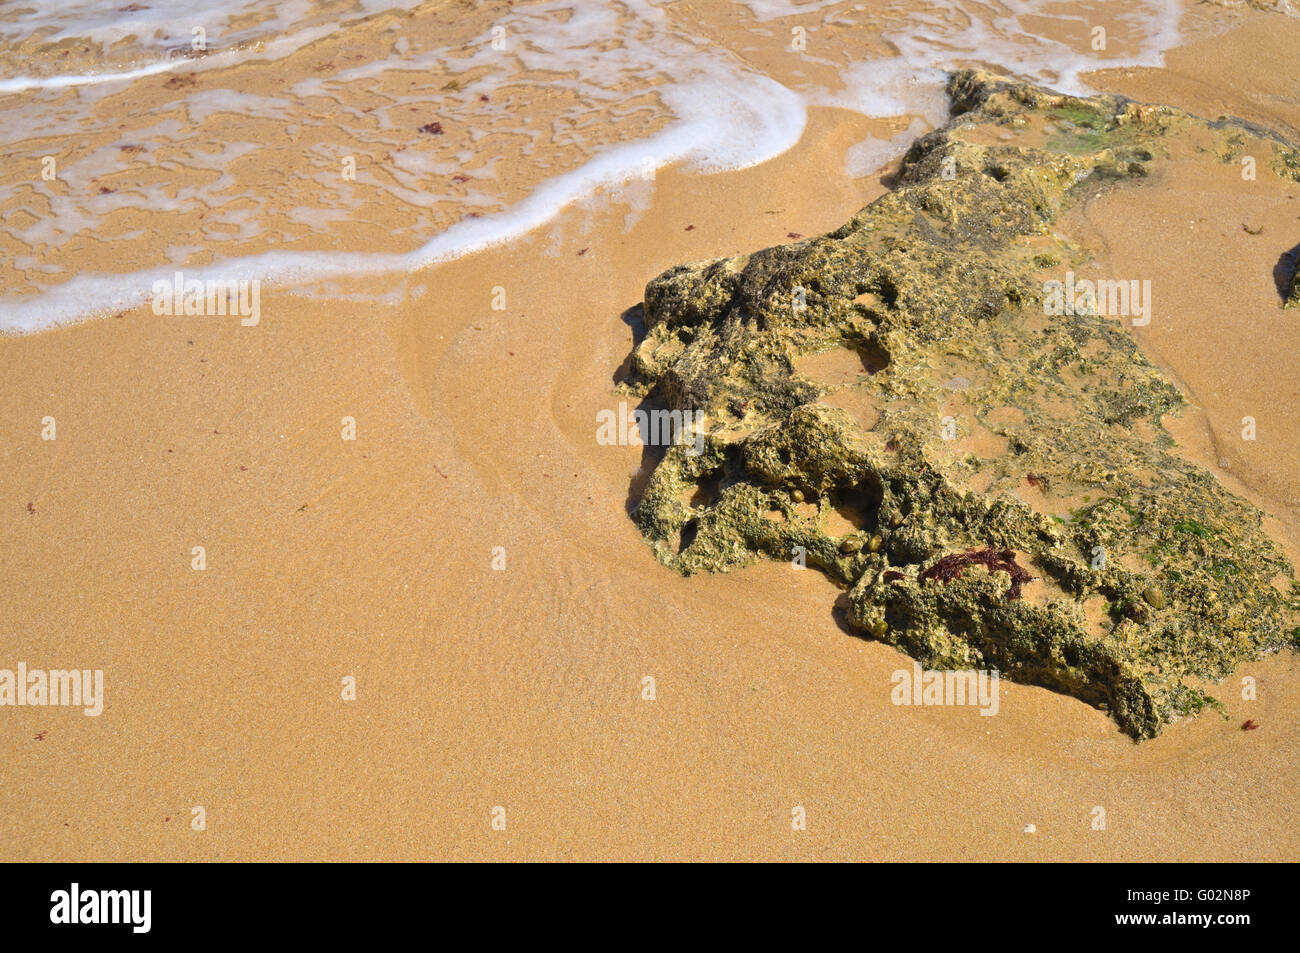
954	564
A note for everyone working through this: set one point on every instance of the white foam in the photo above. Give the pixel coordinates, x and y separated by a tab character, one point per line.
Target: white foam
158	37
724	115
1008	42
871	154
727	117
704	142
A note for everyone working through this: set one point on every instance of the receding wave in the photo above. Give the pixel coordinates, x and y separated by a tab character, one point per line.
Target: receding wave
295	150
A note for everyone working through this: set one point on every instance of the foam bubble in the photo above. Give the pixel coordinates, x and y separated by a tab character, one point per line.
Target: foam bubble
872	154
140	40
717	111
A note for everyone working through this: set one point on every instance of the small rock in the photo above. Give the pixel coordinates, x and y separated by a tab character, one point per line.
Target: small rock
1030	829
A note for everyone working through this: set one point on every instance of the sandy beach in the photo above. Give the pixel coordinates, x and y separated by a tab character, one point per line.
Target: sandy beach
468	559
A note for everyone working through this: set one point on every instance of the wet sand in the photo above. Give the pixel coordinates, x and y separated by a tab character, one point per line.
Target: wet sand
522	688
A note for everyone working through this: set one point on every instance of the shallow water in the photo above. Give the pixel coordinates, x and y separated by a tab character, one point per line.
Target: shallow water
314	140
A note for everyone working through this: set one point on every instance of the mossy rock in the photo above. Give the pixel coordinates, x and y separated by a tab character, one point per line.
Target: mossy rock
981	439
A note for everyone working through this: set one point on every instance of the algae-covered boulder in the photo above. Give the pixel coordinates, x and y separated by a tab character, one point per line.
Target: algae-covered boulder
935	408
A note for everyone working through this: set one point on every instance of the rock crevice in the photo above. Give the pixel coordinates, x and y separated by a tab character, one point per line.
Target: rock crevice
974	423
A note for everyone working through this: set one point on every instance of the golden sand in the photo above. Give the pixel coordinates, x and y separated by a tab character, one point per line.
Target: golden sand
524	688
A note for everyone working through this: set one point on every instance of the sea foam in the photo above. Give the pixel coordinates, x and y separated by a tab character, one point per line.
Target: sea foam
721	114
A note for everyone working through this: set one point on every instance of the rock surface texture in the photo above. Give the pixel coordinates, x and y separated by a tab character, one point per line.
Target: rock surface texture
978	460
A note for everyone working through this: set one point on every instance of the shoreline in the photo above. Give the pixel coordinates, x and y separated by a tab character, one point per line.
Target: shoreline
524	203
522	687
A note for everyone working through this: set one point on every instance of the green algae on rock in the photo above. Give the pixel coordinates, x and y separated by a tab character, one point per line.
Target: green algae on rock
898	404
